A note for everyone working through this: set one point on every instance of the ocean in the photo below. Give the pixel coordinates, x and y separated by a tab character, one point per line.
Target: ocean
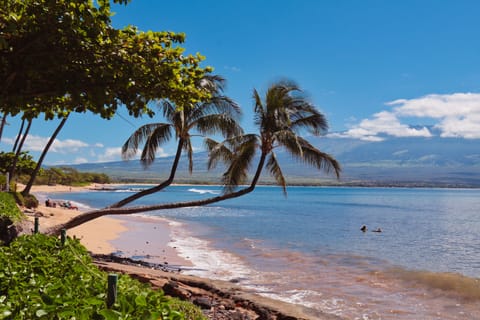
307	248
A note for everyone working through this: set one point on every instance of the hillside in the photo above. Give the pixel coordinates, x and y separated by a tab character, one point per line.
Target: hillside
393	162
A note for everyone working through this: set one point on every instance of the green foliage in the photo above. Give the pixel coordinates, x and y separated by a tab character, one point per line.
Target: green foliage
62	56
69	177
42	279
19	199
24	166
8	207
30	201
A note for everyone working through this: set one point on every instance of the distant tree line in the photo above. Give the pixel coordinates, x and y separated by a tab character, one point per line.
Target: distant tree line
49	176
69	177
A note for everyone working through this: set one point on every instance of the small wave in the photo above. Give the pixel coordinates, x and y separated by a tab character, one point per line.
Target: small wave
207	261
463	286
200	191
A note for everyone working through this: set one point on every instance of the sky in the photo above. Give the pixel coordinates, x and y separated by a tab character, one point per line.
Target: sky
376	69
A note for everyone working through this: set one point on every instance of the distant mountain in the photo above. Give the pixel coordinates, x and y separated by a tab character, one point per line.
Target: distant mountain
432	161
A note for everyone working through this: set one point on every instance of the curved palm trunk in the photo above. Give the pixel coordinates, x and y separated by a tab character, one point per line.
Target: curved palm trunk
15	145
88	216
19	148
42	156
160	187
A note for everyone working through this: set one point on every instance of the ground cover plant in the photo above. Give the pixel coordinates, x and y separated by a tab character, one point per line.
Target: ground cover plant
41	278
9	208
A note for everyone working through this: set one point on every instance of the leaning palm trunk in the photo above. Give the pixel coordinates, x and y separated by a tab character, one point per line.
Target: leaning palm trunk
157	188
44	153
17	140
19	148
91	215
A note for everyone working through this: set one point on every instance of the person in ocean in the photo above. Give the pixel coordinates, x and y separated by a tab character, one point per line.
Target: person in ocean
363	228
377	230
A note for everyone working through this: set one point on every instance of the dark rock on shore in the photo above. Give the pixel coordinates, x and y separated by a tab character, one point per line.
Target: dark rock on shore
219	300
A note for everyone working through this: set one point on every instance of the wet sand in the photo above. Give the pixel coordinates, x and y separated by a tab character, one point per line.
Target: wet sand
132	236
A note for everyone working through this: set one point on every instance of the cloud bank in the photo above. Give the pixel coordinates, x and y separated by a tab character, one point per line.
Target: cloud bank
455	115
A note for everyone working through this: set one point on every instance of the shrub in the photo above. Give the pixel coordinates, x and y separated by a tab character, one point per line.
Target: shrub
8	206
18	198
43	279
30	201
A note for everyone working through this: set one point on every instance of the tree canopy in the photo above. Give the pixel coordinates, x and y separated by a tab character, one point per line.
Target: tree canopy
64	55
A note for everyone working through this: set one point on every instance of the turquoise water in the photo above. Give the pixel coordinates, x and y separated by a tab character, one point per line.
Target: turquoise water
307	248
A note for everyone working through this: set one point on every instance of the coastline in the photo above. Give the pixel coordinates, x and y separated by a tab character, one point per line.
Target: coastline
111	234
147	241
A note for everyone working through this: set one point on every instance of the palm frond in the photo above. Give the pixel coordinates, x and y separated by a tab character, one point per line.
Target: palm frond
157	137
289	140
318	159
212	83
275	170
169	110
217	151
218	123
216	105
308	117
130	147
244	149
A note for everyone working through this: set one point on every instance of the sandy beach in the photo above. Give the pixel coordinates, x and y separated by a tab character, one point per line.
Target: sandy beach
149	239
132	236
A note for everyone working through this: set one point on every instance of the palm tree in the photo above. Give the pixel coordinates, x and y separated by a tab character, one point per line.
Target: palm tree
218	114
281	118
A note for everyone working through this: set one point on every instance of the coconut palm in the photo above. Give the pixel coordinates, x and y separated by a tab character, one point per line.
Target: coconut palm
281	117
219	114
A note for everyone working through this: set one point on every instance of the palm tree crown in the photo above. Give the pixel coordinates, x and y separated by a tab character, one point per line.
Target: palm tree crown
281	119
217	115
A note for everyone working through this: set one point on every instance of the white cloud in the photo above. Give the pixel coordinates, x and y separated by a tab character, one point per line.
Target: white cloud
383	123
455	115
37	143
110	154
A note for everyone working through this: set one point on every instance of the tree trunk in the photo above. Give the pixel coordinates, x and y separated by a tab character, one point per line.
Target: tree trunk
15	145
19	148
44	153
91	215
161	186
2	125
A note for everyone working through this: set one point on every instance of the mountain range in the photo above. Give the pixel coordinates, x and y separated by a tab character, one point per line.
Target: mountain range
435	161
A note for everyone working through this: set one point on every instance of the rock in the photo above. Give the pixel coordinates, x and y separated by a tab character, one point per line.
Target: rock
172	288
204	302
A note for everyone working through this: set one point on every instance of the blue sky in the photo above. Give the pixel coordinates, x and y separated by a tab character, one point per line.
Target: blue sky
372	67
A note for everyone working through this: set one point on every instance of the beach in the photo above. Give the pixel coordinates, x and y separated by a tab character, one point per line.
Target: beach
144	239
99	235
309	250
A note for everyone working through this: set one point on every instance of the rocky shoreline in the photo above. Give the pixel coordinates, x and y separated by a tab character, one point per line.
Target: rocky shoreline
219	300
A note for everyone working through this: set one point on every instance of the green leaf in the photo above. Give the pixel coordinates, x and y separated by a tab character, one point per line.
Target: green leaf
110	314
40	313
140	300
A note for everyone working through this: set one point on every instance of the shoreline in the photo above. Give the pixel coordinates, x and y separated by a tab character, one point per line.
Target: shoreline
111	234
147	240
